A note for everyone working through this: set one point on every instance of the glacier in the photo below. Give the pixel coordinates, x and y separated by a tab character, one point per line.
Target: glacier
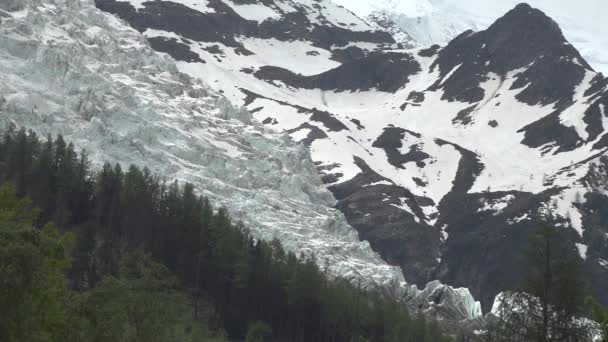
68	68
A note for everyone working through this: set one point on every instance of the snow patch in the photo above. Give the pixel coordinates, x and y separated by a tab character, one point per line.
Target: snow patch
565	205
383	182
444	233
300	134
582	250
496	205
300	57
572	117
518	219
255	12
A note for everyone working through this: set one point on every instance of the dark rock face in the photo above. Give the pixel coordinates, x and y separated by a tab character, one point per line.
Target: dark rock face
549	129
429	52
416	97
391	141
484	251
224	24
175	49
523	37
464	116
374	211
386	72
328	120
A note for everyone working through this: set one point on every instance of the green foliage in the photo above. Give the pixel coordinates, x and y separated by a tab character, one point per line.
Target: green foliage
153	261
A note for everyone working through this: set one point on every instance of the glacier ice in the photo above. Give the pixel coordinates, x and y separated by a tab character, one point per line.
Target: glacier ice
68	68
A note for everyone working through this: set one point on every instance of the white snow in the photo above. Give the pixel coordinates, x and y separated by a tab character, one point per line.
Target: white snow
138	4
380	183
449	74
151	33
256	12
444	233
565	206
518	219
582	250
291	55
300	135
197	5
572	116
497	205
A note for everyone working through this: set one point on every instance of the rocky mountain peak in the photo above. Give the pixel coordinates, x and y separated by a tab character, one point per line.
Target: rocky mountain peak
525	34
525	42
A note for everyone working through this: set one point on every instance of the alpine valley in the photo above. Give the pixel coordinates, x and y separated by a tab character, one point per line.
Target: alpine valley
401	168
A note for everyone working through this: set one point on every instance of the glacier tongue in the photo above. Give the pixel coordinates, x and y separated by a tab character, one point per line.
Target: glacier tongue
68	68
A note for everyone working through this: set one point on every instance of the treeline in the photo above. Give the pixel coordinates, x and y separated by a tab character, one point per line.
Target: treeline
122	220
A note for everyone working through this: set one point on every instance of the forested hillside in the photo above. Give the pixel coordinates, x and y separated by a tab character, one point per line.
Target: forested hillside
138	258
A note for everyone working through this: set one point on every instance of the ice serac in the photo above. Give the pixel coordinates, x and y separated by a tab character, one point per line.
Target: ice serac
382	20
443	158
447	302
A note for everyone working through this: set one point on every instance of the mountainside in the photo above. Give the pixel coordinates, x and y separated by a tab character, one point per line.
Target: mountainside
68	68
444	159
428	22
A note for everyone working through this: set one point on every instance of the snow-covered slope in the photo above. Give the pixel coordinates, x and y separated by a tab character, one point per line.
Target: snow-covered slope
68	68
443	158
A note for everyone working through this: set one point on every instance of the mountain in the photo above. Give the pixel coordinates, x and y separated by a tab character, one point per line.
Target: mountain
68	68
431	22
443	158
